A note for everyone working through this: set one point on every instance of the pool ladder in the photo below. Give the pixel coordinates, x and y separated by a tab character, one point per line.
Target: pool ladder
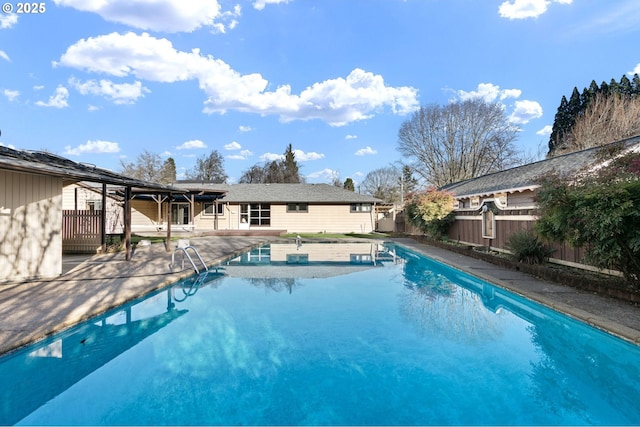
185	252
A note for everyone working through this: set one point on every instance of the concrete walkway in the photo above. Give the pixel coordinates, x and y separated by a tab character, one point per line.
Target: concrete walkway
93	285
614	316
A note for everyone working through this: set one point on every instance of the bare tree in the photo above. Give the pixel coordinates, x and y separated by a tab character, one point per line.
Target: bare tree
209	168
458	141
607	119
254	175
149	167
383	183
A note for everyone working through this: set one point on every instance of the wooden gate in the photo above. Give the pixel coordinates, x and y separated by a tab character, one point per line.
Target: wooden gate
81	231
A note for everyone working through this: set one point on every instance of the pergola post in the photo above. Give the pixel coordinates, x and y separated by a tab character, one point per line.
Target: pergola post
103	220
168	244
127	222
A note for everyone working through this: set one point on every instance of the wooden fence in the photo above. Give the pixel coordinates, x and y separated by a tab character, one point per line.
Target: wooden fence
81	231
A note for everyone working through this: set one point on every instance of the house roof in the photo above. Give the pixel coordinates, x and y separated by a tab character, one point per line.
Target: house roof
282	193
44	163
526	177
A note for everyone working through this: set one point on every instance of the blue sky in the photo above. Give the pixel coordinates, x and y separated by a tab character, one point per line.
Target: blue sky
99	81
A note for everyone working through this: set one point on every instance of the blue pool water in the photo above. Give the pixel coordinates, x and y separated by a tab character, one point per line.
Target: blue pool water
371	335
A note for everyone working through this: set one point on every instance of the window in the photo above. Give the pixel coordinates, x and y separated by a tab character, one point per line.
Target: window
94	205
360	259
297	258
208	209
260	214
180	214
488	224
361	207
297	207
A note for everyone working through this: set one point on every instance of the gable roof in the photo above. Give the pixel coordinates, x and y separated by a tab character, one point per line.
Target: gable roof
43	163
282	193
525	177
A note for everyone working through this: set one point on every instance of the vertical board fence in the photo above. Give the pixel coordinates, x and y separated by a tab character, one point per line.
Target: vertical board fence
81	231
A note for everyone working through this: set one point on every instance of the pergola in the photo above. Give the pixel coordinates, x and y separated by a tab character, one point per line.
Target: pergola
44	163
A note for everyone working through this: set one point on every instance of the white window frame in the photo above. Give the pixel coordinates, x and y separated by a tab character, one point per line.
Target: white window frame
488	223
361	207
220	209
297	207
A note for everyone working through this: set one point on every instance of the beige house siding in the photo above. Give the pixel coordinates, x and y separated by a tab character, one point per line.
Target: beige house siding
78	197
318	218
30	225
344	253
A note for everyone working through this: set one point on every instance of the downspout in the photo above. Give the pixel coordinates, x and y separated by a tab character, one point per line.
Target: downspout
215	213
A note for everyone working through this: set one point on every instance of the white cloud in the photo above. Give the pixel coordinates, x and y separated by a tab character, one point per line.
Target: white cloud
635	70
545	131
159	15
304	157
337	101
366	151
244	155
525	111
93	147
38	87
191	145
8	21
269	157
232	146
489	93
523	9
260	4
57	100
351	137
11	95
165	154
93	108
245	129
8	145
324	175
4	56
119	93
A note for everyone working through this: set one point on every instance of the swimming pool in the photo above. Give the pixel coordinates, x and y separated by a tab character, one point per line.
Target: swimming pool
355	334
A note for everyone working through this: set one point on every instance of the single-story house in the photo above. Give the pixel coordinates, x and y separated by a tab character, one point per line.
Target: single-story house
290	208
489	208
31	209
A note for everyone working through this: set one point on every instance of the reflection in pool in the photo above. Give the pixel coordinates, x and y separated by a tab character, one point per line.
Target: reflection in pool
326	334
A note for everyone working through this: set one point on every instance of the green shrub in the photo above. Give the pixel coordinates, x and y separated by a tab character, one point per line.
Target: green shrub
527	247
431	212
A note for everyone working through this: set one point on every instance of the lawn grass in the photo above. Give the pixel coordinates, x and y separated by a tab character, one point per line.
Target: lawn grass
336	235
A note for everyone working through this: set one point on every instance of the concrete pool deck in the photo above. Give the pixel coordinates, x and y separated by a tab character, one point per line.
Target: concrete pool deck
92	285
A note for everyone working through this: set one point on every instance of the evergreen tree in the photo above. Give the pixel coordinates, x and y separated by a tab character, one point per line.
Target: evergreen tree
559	125
614	87
409	183
604	88
291	174
635	84
625	87
348	185
168	171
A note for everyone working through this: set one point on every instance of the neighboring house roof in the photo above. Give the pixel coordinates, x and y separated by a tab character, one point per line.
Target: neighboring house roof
282	193
43	163
526	177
